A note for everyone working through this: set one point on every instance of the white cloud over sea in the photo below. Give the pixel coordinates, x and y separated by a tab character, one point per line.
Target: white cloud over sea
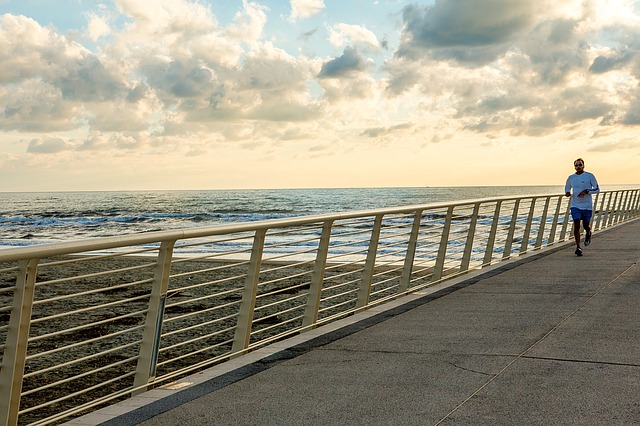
180	94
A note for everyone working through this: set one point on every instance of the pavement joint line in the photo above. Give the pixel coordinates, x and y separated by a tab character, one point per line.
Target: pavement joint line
581	361
550	332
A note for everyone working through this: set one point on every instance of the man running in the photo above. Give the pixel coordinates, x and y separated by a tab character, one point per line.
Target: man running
580	186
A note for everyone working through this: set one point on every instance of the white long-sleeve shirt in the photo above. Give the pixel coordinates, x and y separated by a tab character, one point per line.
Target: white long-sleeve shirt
576	183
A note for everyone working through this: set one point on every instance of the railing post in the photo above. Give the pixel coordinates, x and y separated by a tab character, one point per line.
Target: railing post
554	225
405	278
15	350
524	245
543	223
565	223
593	216
488	252
367	275
636	203
150	345
625	208
601	213
619	207
610	215
632	201
444	243
248	303
512	229
315	289
466	255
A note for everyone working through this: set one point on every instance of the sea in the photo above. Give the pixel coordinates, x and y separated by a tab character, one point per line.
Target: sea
30	218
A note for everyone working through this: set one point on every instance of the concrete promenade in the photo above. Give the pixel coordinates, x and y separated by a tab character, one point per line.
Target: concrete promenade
550	339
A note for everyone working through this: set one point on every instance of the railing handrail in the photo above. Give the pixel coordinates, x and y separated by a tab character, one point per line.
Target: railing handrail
11	254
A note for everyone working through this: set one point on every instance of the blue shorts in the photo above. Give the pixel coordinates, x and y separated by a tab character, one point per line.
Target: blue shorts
579	214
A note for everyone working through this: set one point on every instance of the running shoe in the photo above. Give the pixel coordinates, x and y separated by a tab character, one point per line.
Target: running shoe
587	239
578	252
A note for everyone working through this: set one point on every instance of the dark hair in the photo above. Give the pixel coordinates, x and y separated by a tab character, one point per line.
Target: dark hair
578	159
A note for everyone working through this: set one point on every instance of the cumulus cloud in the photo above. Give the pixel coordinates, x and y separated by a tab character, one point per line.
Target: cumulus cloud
51	145
520	67
377	132
305	8
616	60
349	62
345	34
465	30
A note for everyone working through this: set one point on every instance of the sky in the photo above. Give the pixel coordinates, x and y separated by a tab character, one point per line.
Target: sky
234	94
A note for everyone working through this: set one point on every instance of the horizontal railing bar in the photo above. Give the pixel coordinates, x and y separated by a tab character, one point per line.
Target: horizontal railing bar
224	280
82	327
201	271
288	255
385	272
203	324
279	302
104	243
207	297
195	339
86	358
89	309
282	290
274	326
95	274
351	253
79	376
284	230
340	275
290	243
333	307
80	392
339	295
86	293
288	277
379	283
208	348
385	290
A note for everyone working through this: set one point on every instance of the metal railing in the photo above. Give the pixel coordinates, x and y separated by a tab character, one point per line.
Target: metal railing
84	324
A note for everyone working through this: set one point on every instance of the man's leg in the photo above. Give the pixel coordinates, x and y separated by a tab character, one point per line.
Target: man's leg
576	234
576	231
586	223
587	237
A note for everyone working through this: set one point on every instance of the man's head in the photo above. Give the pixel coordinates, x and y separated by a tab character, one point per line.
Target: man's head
579	165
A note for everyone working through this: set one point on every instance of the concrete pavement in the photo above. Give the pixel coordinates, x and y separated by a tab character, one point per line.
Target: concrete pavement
548	339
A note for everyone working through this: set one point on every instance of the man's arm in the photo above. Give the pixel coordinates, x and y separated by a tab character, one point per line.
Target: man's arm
595	188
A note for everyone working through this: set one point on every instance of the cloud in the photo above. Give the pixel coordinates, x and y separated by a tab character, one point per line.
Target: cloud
465	30
305	8
345	34
97	27
377	132
602	64
51	145
615	146
349	62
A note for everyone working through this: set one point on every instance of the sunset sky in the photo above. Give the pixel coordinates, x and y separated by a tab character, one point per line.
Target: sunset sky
217	94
